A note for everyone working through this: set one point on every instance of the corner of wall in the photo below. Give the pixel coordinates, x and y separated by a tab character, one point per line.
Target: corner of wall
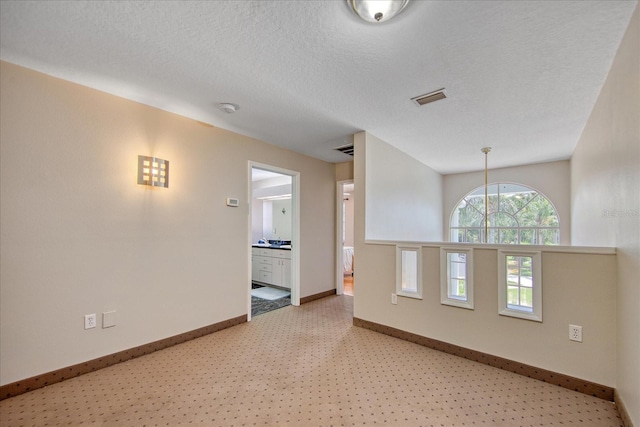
605	201
344	171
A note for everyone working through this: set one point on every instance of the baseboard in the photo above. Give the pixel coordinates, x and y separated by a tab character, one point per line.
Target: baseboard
39	381
566	381
622	410
310	298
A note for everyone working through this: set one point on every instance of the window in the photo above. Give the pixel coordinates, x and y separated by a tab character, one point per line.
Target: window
408	271
516	215
520	284
456	277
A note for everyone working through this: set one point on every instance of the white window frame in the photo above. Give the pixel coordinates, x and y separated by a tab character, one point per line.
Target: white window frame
455	228
417	274
536	271
445	276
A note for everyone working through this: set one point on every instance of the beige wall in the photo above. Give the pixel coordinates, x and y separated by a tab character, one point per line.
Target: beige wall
79	235
344	171
605	181
578	288
552	179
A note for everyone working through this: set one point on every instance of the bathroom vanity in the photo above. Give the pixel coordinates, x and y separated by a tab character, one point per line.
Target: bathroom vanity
271	265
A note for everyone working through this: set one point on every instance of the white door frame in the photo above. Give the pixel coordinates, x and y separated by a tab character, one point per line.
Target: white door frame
295	230
339	243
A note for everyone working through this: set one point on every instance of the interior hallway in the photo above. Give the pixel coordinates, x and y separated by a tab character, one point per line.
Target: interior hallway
348	285
304	366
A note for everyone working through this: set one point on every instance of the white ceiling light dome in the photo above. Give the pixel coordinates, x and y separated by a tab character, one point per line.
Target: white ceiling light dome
377	10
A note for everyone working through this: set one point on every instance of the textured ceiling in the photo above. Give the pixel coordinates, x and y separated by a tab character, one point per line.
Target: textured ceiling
522	76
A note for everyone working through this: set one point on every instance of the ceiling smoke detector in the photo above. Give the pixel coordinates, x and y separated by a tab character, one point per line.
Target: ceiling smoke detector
228	108
430	97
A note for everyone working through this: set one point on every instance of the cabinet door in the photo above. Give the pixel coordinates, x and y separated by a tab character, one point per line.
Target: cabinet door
255	268
281	268
276	271
286	273
265	277
266	271
262	269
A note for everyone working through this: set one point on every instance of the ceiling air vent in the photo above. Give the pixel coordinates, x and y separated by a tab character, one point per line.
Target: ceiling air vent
430	97
346	149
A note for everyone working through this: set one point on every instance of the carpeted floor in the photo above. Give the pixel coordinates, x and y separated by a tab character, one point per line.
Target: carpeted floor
304	366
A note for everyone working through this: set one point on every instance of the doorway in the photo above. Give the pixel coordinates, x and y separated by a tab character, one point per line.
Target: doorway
273	230
345	252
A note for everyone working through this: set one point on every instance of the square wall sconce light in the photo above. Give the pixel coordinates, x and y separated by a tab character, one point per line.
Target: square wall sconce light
153	171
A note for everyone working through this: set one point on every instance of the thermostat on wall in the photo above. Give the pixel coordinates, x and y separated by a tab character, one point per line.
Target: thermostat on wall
234	203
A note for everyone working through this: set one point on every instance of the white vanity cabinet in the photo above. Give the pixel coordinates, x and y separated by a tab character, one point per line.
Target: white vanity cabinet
281	268
271	266
261	265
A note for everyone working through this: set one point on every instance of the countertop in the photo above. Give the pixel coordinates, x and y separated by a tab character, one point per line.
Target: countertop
283	247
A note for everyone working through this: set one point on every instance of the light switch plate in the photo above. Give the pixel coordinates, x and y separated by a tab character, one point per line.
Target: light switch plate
108	319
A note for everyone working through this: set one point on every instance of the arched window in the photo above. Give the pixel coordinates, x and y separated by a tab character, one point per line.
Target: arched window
517	215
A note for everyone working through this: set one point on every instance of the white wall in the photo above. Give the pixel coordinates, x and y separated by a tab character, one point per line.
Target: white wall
280	221
605	182
80	236
267	219
552	179
263	210
257	227
403	196
349	218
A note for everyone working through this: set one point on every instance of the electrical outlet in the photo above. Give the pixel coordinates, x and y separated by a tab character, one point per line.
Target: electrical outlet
394	299
575	333
89	321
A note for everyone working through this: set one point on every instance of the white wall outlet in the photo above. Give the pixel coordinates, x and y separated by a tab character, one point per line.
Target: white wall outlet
575	333
90	321
394	299
108	319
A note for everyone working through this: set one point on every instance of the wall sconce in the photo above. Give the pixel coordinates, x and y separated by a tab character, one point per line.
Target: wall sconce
153	171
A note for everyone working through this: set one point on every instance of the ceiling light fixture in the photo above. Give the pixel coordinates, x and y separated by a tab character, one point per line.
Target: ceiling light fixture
228	108
377	10
486	150
279	197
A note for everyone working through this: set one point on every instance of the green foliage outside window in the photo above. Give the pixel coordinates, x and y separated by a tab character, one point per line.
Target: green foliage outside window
516	214
519	281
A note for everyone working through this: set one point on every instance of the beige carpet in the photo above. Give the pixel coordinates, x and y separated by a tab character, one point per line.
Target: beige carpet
304	366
